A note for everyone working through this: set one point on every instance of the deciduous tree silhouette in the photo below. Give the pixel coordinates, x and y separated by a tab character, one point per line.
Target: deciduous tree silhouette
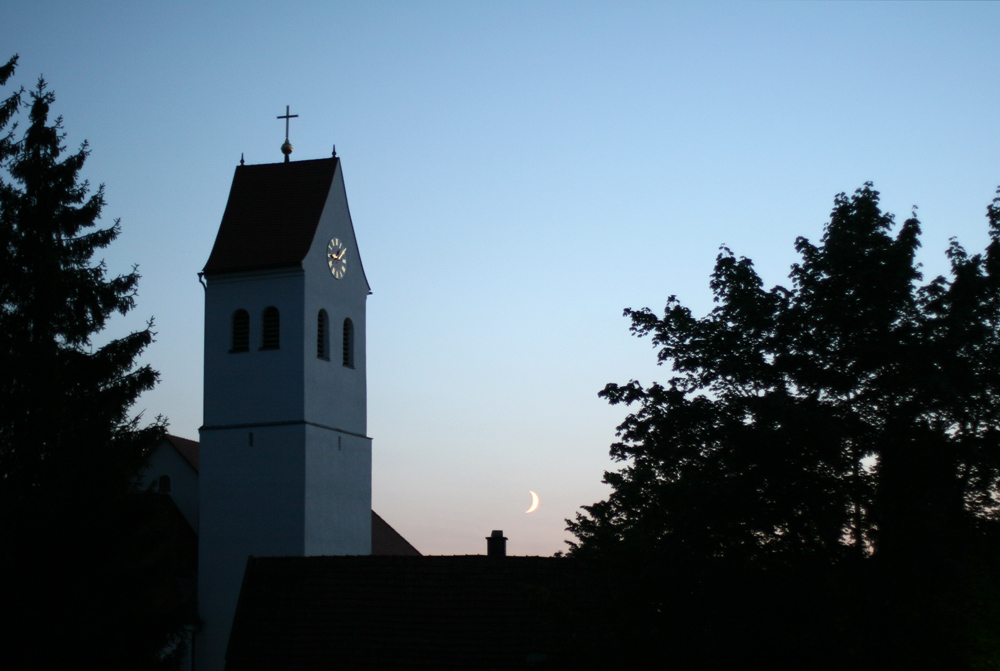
847	421
78	587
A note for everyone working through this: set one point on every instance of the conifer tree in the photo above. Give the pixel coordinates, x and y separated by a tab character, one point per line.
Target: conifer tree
74	591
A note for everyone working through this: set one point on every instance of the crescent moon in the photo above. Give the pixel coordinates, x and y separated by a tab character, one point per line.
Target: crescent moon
534	502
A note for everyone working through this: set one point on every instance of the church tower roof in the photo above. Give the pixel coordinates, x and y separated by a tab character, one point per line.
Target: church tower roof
272	214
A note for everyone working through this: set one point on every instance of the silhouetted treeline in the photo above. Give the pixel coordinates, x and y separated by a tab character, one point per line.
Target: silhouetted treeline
817	483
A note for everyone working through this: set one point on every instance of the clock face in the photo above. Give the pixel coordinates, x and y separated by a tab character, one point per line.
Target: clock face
336	258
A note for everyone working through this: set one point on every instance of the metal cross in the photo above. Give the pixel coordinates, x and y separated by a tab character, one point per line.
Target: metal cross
286	117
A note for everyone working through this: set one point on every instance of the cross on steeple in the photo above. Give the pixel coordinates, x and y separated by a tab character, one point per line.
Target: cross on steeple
286	147
286	117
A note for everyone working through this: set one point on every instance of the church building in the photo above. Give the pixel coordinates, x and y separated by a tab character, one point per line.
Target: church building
285	456
277	493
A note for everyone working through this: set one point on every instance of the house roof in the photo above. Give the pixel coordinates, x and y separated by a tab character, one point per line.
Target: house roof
388	541
271	216
466	612
187	449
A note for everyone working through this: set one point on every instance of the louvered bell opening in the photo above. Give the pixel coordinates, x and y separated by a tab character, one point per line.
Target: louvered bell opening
271	330
348	343
241	331
322	349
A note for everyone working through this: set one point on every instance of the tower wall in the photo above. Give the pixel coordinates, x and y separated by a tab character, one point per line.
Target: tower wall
338	493
257	386
252	503
336	396
285	457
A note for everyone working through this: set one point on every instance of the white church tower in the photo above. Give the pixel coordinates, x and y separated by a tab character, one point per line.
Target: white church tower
285	456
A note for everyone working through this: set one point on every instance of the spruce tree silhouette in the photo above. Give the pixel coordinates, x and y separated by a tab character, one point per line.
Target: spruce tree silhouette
76	578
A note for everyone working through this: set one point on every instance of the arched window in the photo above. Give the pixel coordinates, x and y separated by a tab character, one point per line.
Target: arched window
241	331
271	328
323	336
348	343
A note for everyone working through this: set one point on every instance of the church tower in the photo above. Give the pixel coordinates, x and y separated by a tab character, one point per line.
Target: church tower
285	457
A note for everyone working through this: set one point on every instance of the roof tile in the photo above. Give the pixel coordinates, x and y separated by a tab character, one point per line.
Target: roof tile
469	612
271	216
187	448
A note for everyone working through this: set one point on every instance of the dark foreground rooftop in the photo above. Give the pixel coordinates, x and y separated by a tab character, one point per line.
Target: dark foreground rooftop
465	612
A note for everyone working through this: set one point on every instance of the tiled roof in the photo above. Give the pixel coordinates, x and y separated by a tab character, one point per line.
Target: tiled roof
271	216
187	448
388	541
470	612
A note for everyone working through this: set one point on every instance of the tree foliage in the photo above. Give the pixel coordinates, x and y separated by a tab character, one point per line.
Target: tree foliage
854	413
818	477
73	578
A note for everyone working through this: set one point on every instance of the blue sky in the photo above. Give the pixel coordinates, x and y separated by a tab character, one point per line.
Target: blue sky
518	173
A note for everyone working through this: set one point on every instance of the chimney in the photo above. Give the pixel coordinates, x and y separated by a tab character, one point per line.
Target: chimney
496	544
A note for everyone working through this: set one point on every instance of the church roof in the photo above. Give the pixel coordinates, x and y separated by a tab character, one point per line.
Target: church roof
388	541
466	612
272	214
186	448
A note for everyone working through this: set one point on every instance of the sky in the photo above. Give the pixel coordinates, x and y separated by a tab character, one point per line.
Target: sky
518	173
